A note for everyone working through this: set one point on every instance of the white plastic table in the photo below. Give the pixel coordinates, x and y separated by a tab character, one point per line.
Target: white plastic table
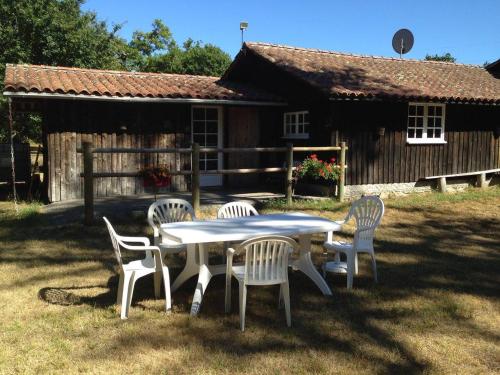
200	233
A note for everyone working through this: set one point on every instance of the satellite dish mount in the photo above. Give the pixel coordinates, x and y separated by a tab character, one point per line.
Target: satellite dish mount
402	42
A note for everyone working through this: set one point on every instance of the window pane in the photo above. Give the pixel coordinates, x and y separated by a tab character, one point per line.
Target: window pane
418	133
211	164
437	133
198	113
430	133
300	129
412	110
437	122
211	140
287	119
212	126
420	122
300	118
212	114
293	119
430	110
420	110
198	127
411	133
412	121
439	111
199	138
202	165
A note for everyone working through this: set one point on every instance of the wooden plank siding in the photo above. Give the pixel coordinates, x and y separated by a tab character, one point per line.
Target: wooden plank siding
373	159
69	123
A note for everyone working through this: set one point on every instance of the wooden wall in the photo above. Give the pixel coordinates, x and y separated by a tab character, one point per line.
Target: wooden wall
242	129
373	159
68	124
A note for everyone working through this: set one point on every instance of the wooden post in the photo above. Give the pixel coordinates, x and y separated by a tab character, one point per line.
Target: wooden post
342	172
88	183
481	180
289	173
195	177
442	184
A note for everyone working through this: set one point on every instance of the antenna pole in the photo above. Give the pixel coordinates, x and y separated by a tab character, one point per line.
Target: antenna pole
242	37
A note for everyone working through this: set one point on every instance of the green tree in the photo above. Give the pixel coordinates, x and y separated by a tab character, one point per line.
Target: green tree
53	32
447	57
157	51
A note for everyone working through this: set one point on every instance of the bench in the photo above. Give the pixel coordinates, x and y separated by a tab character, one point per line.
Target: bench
481	178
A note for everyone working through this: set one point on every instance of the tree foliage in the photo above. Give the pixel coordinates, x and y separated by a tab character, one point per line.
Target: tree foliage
59	32
447	57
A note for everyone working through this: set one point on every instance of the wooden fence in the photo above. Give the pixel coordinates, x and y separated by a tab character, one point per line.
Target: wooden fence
89	174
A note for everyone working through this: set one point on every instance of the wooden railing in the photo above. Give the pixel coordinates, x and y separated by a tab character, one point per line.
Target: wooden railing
89	174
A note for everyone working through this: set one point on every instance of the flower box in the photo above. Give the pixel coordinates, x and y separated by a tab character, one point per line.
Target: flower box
317	188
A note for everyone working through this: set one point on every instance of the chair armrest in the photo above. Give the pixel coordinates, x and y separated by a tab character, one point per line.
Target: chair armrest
143	240
141	248
340	222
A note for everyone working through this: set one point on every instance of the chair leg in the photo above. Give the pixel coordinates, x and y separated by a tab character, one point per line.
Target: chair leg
128	289
243	304
120	289
166	285
280	297
374	267
286	297
350	269
228	293
157	281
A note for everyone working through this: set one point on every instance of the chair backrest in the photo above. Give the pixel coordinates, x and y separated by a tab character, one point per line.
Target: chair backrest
169	211
236	209
115	241
367	213
266	259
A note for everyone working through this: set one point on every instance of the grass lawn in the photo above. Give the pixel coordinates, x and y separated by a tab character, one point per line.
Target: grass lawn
436	308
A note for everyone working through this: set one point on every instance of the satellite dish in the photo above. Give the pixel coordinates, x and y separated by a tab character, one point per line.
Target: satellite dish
402	41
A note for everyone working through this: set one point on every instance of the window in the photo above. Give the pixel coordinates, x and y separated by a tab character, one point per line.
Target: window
206	134
296	125
426	123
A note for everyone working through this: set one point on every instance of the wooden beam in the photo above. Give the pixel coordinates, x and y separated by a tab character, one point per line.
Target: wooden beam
343	148
88	183
195	178
289	174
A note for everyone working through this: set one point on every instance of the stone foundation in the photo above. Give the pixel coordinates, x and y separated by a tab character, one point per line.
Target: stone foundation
423	186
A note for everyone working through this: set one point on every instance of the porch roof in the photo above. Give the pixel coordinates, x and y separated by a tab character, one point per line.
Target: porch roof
62	82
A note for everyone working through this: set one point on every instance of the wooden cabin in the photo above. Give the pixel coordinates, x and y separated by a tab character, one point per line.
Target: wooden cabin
139	110
404	121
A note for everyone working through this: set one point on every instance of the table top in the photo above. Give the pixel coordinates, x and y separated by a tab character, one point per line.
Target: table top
243	228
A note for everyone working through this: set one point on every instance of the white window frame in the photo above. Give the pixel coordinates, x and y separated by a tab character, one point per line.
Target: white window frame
295	134
424	139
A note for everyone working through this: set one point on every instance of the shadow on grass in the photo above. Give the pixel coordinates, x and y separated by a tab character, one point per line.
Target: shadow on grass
423	255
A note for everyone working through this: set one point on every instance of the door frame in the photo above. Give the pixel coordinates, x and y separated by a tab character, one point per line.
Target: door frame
212	180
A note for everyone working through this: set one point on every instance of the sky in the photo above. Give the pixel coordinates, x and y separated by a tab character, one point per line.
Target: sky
469	30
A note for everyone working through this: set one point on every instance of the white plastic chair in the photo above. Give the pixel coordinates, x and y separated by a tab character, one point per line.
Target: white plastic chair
236	209
266	263
168	211
130	272
367	212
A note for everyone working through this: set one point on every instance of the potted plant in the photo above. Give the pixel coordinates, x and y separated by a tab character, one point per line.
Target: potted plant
156	177
316	177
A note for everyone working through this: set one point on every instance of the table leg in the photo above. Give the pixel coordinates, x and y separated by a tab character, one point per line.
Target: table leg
190	269
204	277
305	264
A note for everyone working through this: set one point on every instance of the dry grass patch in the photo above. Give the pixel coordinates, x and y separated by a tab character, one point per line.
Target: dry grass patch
435	309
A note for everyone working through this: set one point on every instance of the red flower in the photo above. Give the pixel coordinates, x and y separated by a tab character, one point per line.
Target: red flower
333	160
314	156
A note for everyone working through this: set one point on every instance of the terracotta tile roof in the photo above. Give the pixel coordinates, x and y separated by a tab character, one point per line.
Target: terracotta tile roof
107	83
340	74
